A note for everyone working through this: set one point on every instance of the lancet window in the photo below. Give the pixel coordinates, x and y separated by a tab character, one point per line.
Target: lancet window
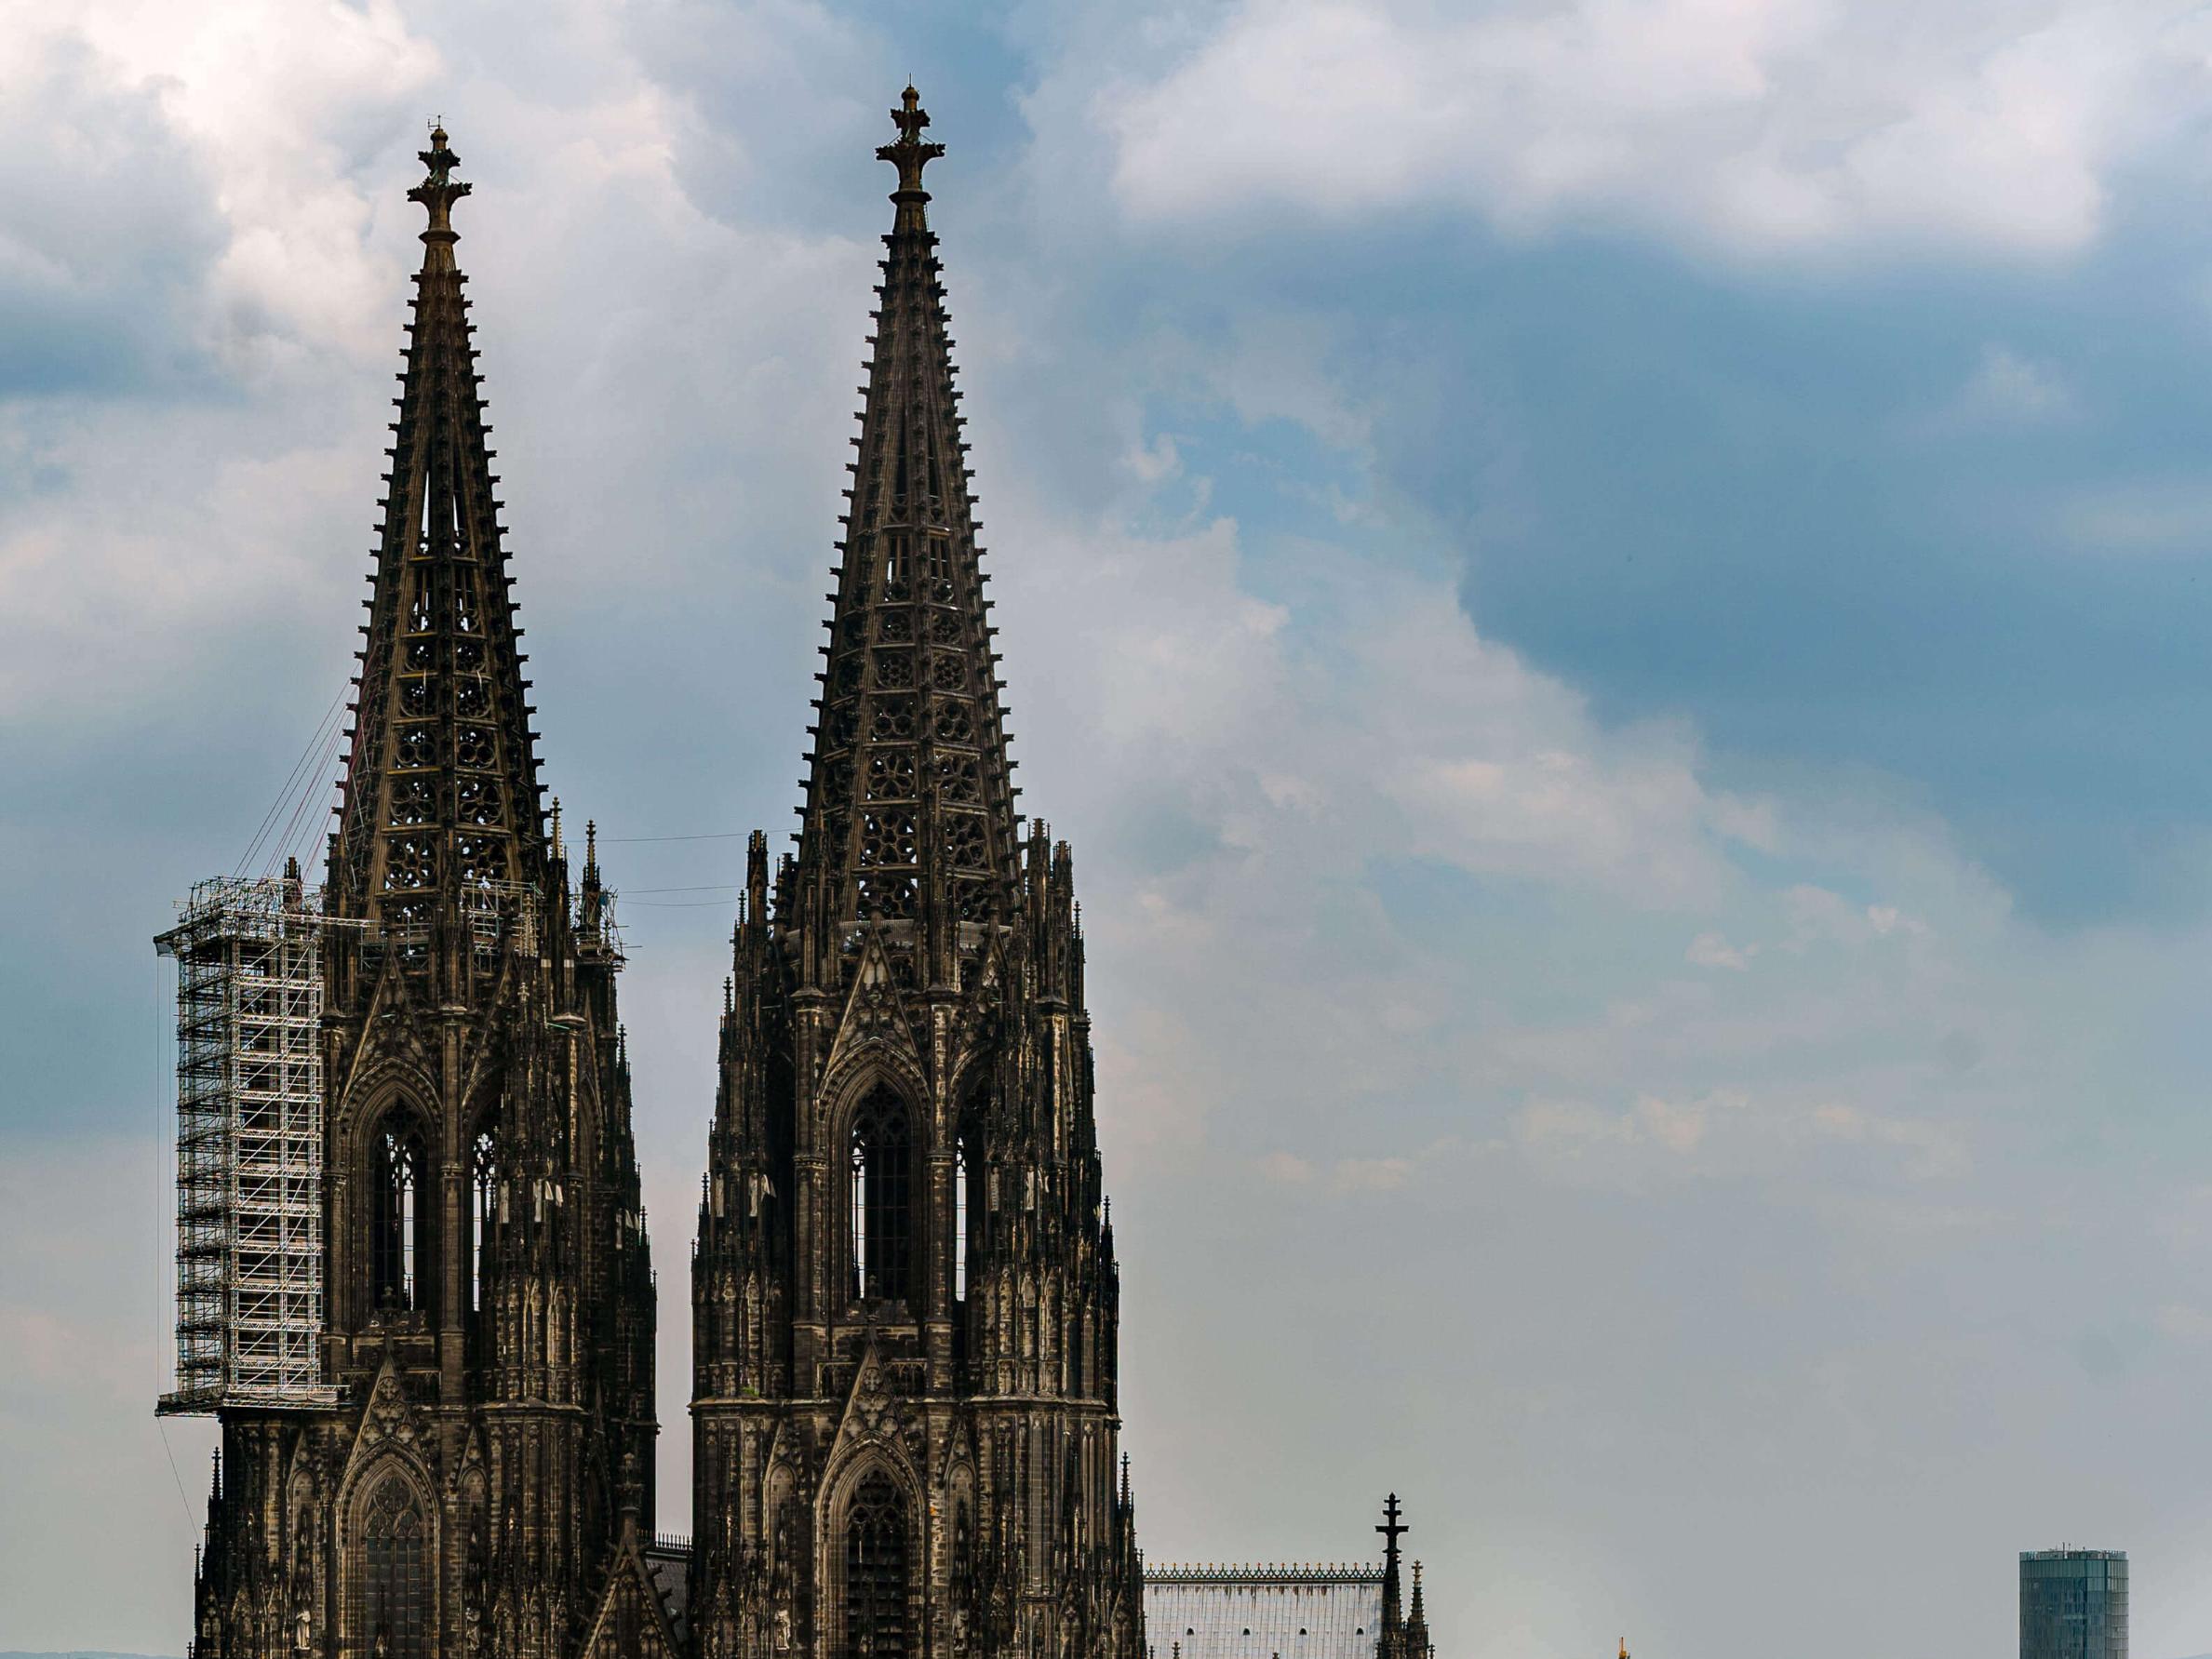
876	1571
399	1211
483	1213
393	1565
881	1200
959	1223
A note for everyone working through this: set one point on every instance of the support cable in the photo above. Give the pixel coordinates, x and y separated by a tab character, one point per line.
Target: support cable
315	742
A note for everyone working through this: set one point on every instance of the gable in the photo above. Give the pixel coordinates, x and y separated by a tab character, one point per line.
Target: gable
632	1624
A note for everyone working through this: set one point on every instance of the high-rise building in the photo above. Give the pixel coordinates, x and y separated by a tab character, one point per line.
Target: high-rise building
2074	1604
905	1294
430	1347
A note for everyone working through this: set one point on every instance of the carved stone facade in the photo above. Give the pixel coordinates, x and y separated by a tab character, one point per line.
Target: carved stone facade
905	1292
489	1311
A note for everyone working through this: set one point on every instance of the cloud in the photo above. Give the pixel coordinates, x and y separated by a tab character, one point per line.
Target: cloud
1936	1151
1572	1127
1712	950
1758	127
1386	920
2007	389
2155	517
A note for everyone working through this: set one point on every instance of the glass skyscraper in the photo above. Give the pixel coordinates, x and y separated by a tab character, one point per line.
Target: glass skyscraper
2074	1604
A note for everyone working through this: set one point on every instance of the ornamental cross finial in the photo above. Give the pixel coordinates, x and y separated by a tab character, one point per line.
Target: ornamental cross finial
439	191
1392	1528
909	155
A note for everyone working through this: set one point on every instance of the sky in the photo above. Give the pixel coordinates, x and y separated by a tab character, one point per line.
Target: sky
1611	594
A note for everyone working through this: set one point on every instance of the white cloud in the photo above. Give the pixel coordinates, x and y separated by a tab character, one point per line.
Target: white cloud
2008	388
1362	885
1936	1151
1758	126
1712	950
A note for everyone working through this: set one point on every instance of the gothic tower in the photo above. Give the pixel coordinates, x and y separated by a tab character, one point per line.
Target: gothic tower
488	1315
905	1295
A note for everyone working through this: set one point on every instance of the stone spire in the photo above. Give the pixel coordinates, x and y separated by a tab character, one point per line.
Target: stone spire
903	1227
1391	1643
910	806
1417	1644
440	789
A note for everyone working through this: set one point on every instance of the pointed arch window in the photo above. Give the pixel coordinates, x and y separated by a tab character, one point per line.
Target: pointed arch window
394	1588
876	1571
881	1200
959	1223
483	1213
398	1214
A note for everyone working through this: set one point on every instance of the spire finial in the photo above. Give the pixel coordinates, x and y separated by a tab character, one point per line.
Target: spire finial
1392	1528
440	189
909	155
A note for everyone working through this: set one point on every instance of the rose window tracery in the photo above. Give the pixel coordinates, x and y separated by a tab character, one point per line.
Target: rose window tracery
965	834
473	746
960	780
890	775
477	800
887	838
412	862
894	717
414	800
480	859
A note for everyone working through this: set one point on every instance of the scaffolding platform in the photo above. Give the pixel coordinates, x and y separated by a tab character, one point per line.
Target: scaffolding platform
250	1147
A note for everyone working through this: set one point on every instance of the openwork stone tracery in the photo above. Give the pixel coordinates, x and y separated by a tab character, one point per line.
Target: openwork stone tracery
905	1279
488	1312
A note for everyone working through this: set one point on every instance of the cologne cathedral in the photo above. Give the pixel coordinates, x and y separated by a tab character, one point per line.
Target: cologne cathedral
481	1440
429	1336
904	1293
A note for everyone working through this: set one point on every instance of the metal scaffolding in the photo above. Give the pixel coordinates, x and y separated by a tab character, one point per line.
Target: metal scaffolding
249	1146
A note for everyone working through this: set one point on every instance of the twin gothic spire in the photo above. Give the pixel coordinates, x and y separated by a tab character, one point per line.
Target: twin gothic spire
440	792
909	803
909	798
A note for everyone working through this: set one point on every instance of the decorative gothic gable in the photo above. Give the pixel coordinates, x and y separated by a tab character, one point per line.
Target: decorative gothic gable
876	1018
631	1622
